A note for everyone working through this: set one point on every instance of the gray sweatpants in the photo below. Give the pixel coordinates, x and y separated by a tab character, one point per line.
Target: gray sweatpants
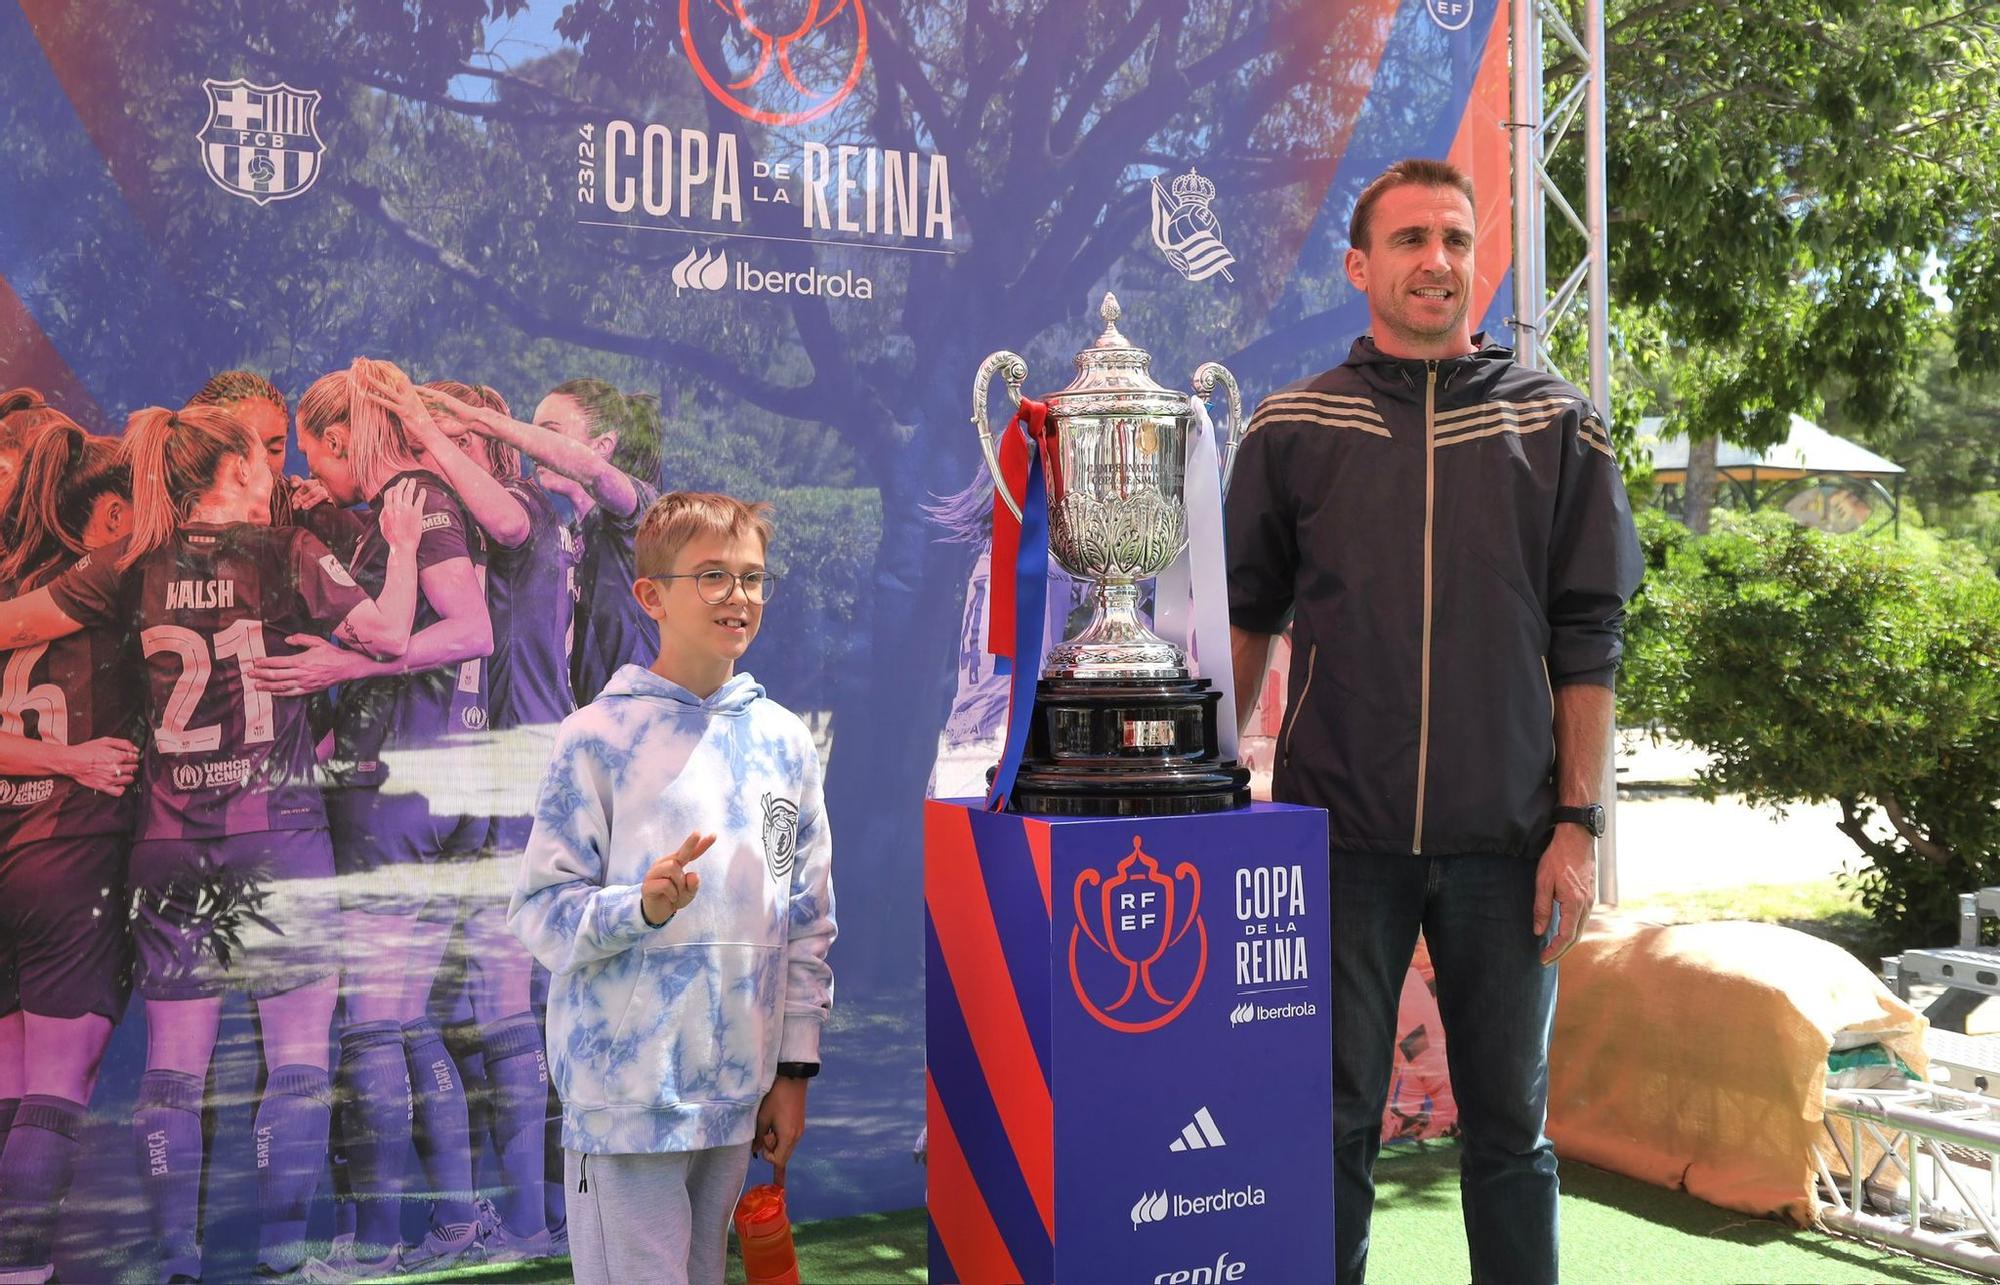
645	1219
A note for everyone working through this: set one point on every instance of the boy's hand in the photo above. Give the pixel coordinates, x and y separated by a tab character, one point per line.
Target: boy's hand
670	886
781	1118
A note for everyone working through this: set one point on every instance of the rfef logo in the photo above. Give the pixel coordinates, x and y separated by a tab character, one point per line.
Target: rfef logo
1145	917
1452	15
775	90
260	142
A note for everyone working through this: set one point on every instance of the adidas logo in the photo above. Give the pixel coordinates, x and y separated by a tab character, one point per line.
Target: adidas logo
1200	1134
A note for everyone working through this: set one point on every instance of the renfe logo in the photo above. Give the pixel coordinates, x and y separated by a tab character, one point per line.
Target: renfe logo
1220	1273
1144	916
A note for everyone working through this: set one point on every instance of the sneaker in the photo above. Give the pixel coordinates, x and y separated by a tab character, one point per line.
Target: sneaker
342	1267
454	1246
489	1215
559	1239
503	1246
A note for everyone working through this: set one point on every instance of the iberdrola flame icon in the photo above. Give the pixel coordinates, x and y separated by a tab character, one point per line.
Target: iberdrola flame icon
701	270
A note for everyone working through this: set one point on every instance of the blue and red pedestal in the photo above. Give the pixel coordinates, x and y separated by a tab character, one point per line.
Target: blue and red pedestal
1129	1036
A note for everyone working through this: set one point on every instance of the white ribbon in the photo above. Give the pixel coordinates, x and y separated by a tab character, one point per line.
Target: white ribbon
1191	597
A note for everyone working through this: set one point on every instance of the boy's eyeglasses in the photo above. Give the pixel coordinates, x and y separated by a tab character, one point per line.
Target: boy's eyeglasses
715	587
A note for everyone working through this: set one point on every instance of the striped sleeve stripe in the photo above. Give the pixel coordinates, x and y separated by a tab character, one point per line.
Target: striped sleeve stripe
1594	437
1497	412
1519	430
1323	401
1262	418
1508	423
1454	418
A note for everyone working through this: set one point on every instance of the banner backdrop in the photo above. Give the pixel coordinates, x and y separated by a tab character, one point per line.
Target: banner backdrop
774	238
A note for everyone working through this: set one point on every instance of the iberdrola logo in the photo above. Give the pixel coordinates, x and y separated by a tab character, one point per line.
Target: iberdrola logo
1144	916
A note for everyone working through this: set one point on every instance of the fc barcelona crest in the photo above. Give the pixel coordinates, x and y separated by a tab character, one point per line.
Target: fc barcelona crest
259	141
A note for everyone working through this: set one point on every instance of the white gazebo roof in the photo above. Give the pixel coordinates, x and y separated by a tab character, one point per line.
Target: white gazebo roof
1808	451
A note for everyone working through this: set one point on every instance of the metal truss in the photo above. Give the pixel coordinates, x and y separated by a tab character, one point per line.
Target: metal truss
1540	128
1916	1167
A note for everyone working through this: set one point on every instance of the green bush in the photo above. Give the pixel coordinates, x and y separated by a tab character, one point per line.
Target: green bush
1825	668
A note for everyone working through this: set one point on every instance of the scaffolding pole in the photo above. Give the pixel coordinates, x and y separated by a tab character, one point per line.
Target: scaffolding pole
1540	129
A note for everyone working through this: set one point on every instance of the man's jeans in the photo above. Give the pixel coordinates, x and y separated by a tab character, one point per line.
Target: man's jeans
1498	1003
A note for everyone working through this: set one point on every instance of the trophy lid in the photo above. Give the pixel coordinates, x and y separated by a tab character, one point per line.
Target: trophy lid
1111	364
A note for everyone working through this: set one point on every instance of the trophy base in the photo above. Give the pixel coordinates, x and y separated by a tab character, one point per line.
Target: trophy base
1126	748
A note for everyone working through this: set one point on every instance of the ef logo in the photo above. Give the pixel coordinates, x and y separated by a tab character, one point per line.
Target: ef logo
1142	915
813	45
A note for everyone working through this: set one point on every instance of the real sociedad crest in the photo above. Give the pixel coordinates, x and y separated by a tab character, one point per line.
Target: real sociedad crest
259	141
1452	15
1185	230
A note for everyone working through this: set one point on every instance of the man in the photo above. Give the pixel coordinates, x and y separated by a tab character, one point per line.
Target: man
1449	535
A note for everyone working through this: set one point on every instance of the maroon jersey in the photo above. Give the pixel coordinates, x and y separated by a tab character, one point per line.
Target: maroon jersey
69	691
226	756
377	716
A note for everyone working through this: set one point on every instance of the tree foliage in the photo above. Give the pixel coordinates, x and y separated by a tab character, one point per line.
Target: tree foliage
1785	181
1817	668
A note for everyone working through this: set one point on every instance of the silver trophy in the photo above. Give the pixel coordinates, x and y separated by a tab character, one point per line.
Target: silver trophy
1116	462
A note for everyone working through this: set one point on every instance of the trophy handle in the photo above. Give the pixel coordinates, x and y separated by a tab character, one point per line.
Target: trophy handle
1015	372
1206	377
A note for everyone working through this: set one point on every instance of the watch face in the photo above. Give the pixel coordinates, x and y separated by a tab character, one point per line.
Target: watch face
1593	820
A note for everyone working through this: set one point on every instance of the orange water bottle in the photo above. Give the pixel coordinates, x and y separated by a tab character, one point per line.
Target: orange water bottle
764	1234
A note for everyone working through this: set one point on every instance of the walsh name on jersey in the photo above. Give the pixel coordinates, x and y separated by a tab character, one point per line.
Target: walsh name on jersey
192	595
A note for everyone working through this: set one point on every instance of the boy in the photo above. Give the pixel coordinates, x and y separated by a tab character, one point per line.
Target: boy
684	1008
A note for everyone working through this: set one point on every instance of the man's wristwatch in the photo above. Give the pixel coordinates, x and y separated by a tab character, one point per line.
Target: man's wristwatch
1590	816
797	1070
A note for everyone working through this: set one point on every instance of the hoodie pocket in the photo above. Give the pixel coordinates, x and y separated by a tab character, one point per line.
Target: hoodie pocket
701	1023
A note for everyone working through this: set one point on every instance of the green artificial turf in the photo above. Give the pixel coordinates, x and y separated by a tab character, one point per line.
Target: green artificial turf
1615	1231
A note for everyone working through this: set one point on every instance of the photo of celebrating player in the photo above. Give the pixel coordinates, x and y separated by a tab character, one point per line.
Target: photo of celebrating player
231	869
402	855
67	765
531	592
599	449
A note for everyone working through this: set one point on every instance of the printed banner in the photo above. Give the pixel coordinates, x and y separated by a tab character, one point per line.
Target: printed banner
259	1005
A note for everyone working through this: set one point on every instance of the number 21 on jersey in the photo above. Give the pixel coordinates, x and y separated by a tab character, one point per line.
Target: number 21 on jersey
242	642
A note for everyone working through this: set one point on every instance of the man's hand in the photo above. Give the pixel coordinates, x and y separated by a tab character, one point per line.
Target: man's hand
107	764
1566	876
781	1118
669	887
319	666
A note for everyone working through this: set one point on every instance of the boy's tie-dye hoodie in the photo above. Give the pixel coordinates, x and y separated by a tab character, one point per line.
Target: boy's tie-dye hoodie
665	1039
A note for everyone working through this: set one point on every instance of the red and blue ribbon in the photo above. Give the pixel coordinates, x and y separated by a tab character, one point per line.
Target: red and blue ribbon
1017	611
